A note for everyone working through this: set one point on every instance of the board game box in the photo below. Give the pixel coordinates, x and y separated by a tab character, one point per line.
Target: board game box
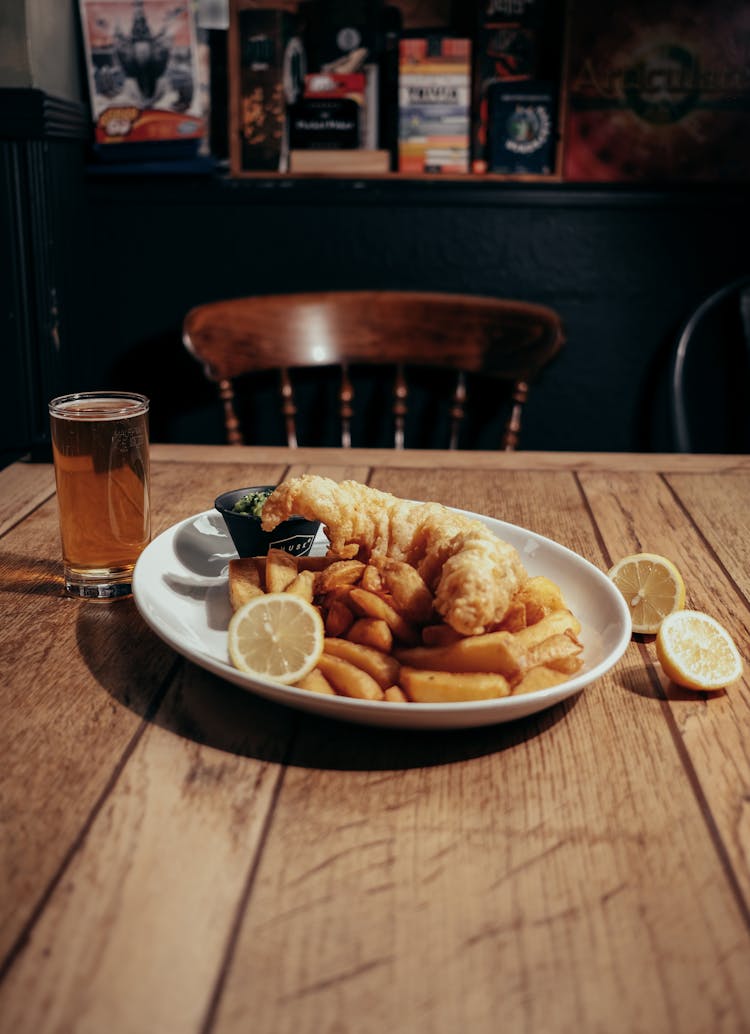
506	50
329	115
143	71
434	94
267	64
522	128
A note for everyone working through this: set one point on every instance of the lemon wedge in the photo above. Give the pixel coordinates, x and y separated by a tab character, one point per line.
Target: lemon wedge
697	652
276	636
652	588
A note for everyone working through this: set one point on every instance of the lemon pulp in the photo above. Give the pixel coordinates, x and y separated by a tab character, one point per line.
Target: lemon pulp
697	652
278	636
651	586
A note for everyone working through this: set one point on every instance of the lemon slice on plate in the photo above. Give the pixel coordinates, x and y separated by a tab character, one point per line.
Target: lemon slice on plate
652	588
276	636
697	652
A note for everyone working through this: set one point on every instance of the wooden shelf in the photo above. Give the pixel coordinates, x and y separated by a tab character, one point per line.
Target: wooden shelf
409	177
482	191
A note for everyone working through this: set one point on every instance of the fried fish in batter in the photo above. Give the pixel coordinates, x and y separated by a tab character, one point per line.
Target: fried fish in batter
472	573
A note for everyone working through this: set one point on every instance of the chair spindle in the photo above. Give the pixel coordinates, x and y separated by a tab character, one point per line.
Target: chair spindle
346	397
288	408
457	409
231	422
513	427
400	406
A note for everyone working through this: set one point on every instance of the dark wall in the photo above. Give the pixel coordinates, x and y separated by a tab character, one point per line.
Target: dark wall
41	209
622	267
98	271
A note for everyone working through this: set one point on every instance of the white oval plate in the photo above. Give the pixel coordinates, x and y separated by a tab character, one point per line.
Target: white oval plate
180	589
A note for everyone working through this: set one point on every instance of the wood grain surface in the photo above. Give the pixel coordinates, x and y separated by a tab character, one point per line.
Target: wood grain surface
178	855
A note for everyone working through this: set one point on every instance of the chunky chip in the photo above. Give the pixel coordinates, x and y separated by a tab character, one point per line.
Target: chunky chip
348	679
372	632
383	668
281	570
434	687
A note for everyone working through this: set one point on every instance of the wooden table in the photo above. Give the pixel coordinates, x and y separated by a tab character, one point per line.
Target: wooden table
181	856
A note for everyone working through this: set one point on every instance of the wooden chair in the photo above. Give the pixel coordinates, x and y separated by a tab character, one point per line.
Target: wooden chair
507	340
710	374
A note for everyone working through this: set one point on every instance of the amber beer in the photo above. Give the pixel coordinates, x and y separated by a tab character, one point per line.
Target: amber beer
100	450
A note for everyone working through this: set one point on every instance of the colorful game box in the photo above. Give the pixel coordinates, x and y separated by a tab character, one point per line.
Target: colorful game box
522	128
143	71
267	63
434	105
506	51
328	116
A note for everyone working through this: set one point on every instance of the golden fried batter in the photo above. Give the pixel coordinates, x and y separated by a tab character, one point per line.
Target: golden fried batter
472	572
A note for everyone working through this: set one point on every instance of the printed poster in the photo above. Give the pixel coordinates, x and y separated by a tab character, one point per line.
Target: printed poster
658	91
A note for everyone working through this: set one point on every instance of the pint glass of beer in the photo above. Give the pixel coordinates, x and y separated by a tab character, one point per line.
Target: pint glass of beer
100	449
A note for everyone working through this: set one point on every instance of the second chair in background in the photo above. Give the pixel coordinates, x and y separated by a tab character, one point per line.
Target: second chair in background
710	373
509	341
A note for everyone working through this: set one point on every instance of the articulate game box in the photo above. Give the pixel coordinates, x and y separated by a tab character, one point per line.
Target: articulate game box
143	71
658	92
434	102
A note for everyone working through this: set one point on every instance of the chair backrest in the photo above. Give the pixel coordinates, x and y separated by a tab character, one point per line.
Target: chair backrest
507	340
710	373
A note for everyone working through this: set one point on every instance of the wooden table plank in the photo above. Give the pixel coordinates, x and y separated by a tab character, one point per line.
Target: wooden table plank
719	506
182	489
641	513
162	867
217	860
73	702
438	898
339	472
167	852
73	710
23	486
448	459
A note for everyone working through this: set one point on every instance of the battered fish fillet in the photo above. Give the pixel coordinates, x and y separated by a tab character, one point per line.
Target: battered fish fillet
472	573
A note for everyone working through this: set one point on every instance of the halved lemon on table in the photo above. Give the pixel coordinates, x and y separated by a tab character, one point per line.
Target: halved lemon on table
697	652
276	636
652	588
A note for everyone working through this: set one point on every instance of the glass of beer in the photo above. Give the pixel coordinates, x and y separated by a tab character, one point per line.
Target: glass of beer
100	449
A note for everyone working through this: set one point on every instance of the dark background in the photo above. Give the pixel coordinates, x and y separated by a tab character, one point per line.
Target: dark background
101	270
622	267
98	269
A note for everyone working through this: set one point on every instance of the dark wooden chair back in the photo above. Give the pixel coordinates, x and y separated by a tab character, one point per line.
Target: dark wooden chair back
710	374
507	340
